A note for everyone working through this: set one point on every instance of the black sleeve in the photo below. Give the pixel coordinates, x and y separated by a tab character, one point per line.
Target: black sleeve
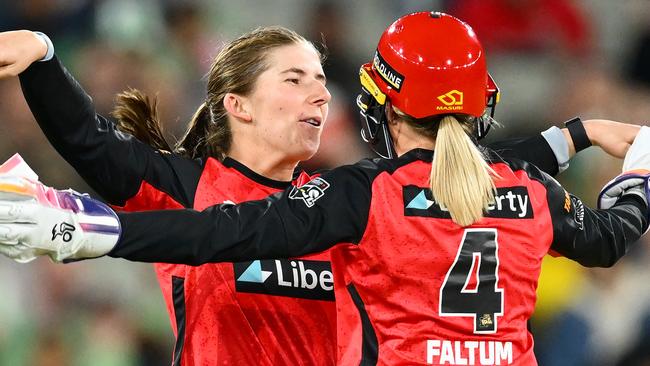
534	150
111	162
329	209
594	238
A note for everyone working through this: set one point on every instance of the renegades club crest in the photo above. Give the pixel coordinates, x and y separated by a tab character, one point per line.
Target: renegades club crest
310	192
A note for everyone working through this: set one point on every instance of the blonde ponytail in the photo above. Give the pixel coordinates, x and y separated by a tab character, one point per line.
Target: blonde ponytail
461	180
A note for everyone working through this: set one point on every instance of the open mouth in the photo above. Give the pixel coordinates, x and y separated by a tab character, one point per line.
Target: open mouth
312	121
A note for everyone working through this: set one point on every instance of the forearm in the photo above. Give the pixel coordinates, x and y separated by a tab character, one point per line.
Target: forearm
194	237
86	140
606	235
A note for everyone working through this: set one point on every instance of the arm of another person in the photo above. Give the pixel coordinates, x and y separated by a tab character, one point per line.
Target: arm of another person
594	238
113	163
330	209
327	210
553	148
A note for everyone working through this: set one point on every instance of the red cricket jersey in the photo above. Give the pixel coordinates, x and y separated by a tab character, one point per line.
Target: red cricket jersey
260	312
412	287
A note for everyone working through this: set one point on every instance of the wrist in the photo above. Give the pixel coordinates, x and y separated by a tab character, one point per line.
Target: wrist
561	145
47	51
578	133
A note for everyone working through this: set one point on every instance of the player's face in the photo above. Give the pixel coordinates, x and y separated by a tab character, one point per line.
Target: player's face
289	102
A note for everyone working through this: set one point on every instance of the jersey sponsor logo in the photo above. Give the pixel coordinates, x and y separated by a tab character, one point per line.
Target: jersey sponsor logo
387	72
509	203
254	273
579	213
452	100
305	279
446	352
310	192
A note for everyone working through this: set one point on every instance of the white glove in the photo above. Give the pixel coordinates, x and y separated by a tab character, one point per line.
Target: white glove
635	178
38	220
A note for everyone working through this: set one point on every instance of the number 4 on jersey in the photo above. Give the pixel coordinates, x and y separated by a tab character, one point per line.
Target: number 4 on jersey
477	261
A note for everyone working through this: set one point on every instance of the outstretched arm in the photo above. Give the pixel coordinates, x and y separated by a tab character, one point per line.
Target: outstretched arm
297	221
601	237
115	164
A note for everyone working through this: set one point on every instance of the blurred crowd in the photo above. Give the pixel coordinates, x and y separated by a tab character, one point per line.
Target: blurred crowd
552	59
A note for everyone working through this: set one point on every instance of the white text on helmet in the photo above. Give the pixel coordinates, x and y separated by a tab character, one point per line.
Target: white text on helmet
387	73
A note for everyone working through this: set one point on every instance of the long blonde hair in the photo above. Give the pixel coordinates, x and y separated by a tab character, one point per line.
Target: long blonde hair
461	180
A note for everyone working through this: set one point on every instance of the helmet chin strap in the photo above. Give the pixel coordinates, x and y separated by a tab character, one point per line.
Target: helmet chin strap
388	140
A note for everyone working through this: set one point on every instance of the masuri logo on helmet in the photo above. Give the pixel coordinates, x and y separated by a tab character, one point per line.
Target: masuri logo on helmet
452	100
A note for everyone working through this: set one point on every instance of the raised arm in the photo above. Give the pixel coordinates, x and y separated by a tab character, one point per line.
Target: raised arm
599	238
552	150
114	163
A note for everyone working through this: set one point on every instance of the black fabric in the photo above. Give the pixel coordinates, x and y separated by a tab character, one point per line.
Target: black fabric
534	150
178	295
578	134
369	345
593	238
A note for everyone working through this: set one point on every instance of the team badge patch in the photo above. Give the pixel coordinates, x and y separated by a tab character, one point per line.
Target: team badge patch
310	192
579	214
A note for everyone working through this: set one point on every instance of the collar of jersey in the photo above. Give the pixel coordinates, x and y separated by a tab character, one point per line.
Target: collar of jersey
427	155
418	154
257	178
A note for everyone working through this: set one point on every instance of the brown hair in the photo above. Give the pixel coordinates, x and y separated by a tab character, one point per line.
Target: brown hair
234	70
461	180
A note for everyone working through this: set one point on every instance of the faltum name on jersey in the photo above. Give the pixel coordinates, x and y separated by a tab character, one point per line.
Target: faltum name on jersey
446	352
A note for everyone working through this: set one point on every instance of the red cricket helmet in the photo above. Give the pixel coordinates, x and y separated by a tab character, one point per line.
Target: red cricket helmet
426	64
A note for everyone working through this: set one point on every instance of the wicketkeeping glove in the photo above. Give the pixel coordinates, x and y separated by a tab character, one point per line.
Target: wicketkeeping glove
635	178
37	220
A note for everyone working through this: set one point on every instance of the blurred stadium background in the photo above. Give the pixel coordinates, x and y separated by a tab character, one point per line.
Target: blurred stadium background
552	59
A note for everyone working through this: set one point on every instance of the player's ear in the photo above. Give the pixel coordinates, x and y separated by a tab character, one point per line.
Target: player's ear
390	113
238	107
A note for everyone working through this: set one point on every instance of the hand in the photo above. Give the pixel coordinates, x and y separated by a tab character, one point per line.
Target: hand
635	178
18	50
633	182
615	138
36	220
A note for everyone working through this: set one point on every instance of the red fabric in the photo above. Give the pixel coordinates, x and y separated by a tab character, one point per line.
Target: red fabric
517	25
227	327
399	276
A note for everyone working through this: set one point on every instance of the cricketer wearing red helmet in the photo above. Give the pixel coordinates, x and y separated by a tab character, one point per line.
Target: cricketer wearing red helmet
436	256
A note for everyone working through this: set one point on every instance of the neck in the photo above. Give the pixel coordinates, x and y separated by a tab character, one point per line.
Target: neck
406	139
263	161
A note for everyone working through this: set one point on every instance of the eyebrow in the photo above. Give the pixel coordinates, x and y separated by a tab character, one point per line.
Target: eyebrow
301	72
